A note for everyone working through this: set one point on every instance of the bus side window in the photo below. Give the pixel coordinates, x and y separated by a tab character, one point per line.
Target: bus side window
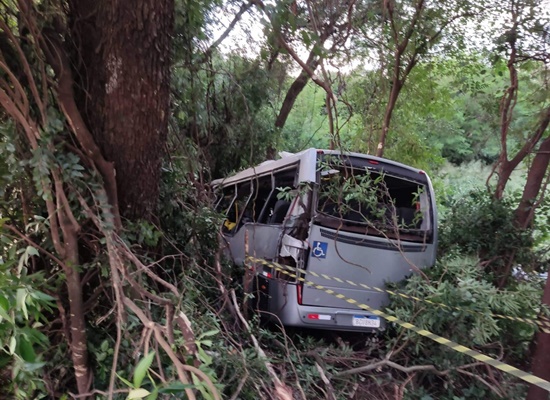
279	211
236	213
262	190
276	209
226	197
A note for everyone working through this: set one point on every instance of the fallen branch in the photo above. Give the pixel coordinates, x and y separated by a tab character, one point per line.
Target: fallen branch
388	363
326	381
181	369
281	390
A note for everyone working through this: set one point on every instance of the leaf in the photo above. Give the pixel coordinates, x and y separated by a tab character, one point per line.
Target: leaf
12	345
26	351
138	394
38	295
205	358
126	382
213	332
20	301
175	388
4	310
4	303
3	221
141	369
153	396
30	367
31	251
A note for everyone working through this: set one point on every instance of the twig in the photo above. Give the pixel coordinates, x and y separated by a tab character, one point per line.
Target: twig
479	378
38	247
401	390
240	386
326	381
180	367
136	261
281	389
383	363
96	391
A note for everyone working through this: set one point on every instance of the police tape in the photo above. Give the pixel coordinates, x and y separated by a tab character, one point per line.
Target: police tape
525	376
542	324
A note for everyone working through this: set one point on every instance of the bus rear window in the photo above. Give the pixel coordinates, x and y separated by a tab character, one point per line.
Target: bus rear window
354	200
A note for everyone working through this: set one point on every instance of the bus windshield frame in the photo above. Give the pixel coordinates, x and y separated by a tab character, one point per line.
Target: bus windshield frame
373	200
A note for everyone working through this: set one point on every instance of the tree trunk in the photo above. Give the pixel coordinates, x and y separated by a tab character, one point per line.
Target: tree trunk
295	89
541	360
291	95
525	211
505	169
394	95
78	340
123	59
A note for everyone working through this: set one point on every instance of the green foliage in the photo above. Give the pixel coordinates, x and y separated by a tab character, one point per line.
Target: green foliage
460	283
225	111
479	225
24	310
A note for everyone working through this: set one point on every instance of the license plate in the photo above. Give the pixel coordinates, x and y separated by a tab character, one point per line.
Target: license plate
369	322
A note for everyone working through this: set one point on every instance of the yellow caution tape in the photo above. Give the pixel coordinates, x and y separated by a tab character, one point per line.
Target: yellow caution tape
525	376
542	324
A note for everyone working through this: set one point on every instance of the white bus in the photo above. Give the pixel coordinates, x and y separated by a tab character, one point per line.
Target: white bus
351	216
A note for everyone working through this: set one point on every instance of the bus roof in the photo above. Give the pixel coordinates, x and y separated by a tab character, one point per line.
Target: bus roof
307	159
308	165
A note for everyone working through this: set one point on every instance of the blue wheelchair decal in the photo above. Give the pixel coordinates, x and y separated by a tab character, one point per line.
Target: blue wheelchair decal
319	249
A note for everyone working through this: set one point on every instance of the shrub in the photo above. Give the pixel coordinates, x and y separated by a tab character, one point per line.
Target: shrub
476	224
468	318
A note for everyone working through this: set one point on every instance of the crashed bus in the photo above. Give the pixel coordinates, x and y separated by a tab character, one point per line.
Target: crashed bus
327	214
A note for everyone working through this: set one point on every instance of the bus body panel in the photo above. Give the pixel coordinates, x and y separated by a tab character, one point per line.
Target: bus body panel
262	239
355	259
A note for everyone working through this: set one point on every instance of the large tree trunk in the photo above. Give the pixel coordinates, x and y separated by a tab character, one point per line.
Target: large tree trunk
541	360
124	64
531	191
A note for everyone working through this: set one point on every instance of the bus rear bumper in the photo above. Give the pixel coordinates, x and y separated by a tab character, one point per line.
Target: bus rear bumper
283	303
332	319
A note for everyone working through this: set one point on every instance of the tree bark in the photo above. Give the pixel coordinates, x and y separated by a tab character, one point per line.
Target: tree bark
525	211
295	89
390	106
78	339
506	109
123	59
541	361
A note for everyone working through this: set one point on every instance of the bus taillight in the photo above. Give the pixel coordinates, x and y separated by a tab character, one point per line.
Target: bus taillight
299	288
323	317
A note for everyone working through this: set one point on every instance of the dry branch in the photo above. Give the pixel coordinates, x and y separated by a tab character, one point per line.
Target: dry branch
282	391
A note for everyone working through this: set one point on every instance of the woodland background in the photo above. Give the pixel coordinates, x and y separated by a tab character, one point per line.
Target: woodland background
115	116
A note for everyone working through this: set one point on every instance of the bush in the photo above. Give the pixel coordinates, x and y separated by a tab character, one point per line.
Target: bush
476	224
468	318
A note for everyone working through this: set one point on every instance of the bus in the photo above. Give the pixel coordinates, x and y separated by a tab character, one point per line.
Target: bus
361	219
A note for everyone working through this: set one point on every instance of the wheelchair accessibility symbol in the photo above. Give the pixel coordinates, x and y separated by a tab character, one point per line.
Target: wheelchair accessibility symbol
319	249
